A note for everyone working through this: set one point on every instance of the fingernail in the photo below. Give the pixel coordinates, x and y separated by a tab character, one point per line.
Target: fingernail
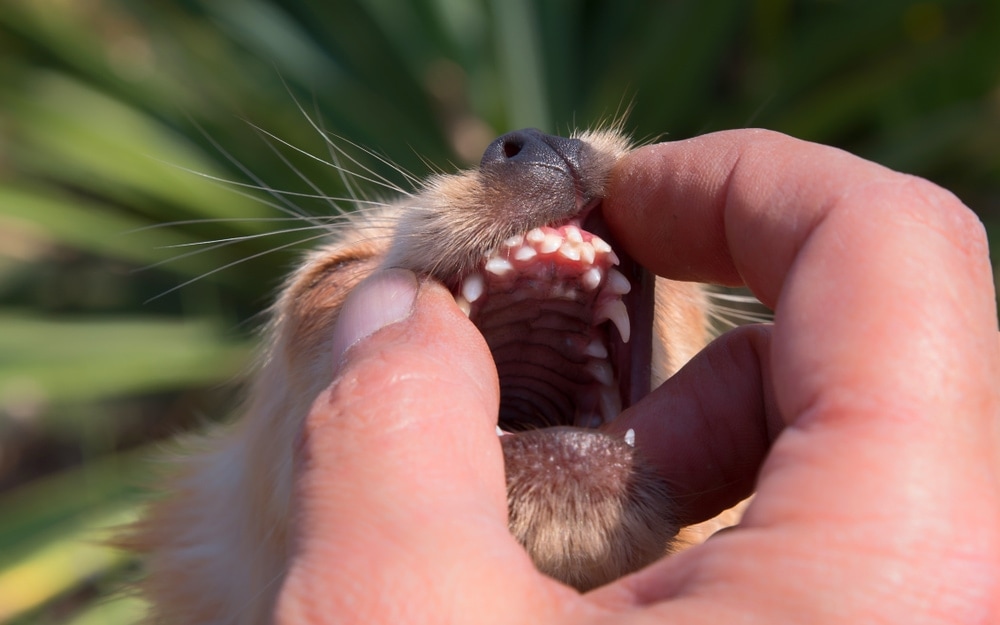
382	299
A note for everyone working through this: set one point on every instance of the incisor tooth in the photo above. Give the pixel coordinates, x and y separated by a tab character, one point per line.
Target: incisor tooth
514	241
569	251
499	266
587	253
573	234
535	235
525	253
591	278
550	244
600	245
473	287
618	283
615	312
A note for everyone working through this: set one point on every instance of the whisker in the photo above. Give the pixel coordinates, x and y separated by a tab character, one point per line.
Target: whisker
376	178
245	237
412	179
207	220
214	245
227	182
735	297
334	157
233	264
301	175
285	206
379	180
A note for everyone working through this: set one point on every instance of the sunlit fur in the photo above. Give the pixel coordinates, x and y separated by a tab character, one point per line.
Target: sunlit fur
215	543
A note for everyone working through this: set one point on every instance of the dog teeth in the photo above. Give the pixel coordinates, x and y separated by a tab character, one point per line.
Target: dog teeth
550	243
600	245
618	283
515	241
596	349
615	312
569	251
587	253
473	287
629	437
464	305
499	266
591	278
602	371
501	432
573	234
525	253
535	235
611	404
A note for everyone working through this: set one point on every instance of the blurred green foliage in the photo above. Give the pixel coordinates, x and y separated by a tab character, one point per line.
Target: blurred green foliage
119	116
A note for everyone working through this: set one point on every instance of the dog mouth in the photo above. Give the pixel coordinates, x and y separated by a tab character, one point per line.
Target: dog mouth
568	321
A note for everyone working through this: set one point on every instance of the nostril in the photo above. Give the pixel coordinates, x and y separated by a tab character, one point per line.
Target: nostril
524	148
512	147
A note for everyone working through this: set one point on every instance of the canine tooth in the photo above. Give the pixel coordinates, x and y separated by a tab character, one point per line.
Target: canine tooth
591	278
569	251
600	245
535	235
611	404
618	283
473	287
551	243
614	258
629	437
573	234
615	311
464	305
514	241
596	349
602	372
501	432
499	266
525	253
587	253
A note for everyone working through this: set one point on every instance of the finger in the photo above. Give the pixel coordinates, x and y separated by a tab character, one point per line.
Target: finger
743	206
400	490
882	357
686	430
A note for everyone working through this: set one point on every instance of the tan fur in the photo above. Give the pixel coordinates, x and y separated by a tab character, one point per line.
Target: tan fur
215	544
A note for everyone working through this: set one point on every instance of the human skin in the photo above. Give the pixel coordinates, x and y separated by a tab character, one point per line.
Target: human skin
867	417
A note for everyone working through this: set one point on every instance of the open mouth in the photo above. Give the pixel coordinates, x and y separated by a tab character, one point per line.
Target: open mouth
568	321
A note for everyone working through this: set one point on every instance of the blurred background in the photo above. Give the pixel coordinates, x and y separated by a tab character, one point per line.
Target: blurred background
139	241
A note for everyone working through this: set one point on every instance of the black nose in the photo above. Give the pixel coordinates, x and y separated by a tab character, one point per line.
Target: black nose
533	147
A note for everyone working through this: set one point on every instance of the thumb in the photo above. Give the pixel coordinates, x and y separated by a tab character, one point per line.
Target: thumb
399	472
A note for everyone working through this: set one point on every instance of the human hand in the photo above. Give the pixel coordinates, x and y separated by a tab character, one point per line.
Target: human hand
868	415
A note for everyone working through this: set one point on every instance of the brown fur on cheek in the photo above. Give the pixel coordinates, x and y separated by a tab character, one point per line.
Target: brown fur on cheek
310	309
